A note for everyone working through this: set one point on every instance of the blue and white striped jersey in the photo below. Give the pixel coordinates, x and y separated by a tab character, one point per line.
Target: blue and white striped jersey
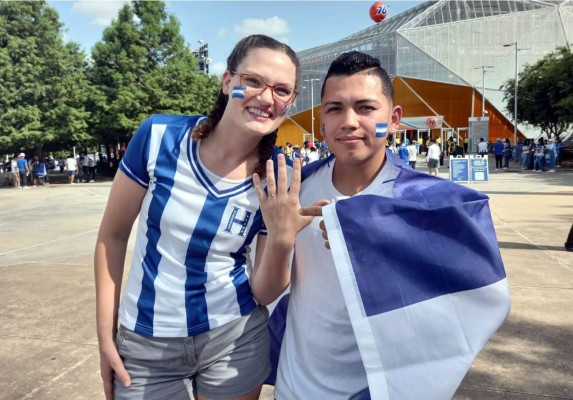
188	272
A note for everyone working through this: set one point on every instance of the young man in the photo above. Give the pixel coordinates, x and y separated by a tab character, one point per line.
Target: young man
433	157
360	332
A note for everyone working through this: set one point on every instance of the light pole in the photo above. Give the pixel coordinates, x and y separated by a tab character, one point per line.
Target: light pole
311	83
514	94
483	68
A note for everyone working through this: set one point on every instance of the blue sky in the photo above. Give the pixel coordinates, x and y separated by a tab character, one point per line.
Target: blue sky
301	24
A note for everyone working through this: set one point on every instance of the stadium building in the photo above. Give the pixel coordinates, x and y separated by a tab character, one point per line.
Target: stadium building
447	60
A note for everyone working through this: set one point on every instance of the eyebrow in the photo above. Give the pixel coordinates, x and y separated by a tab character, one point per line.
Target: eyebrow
359	102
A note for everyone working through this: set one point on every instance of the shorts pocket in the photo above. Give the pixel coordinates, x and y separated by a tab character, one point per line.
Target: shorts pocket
120	337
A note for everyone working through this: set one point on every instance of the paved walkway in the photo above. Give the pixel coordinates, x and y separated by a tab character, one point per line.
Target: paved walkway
48	347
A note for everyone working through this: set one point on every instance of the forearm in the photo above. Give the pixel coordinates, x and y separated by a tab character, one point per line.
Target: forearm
271	274
109	265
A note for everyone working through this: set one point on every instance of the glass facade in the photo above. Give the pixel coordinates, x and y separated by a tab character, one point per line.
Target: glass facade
453	42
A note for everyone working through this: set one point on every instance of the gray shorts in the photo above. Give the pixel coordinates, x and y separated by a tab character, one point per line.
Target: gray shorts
433	163
228	361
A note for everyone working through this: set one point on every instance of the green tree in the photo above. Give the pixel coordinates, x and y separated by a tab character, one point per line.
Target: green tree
142	67
43	88
544	93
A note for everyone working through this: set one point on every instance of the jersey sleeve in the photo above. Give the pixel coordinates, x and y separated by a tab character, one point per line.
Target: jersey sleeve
134	162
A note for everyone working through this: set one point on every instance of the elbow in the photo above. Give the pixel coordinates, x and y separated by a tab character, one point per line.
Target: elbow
267	295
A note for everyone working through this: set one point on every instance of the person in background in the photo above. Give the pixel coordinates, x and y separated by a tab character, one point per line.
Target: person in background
558	150
498	152
413	153
482	147
506	153
23	170
403	153
433	157
539	157
40	172
550	155
15	173
72	168
312	155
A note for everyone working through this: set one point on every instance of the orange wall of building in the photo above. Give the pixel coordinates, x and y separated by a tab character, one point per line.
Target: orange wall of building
454	102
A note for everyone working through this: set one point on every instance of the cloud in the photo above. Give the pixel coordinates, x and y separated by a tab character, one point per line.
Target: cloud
272	26
217	68
101	12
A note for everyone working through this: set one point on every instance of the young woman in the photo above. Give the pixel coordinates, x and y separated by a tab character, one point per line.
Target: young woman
188	322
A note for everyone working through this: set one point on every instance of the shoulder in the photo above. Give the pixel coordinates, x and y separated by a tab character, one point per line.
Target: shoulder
173	120
313	167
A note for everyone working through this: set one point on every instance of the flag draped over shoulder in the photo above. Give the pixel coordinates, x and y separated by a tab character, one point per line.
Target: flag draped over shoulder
423	282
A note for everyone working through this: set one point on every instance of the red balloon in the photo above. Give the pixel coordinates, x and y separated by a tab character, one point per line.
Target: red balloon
378	11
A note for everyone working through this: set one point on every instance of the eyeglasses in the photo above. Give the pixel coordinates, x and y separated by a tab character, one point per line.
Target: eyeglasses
255	85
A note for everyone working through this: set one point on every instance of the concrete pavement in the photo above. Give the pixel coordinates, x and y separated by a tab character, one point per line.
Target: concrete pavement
48	346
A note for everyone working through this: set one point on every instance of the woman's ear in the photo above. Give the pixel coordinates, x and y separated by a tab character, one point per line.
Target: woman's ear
226	82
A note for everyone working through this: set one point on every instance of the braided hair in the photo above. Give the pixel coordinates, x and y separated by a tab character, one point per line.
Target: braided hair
241	50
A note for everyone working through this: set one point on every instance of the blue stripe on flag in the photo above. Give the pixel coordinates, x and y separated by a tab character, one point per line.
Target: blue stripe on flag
205	231
166	165
404	269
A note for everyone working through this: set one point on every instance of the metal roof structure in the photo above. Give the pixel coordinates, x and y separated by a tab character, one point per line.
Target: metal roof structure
454	42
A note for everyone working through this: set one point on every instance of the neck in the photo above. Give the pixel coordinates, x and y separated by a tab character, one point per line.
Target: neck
352	179
229	153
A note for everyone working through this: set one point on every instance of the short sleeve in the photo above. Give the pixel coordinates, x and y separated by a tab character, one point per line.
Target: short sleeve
134	162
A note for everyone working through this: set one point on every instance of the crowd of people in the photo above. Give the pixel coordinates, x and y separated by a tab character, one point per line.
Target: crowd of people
21	172
309	152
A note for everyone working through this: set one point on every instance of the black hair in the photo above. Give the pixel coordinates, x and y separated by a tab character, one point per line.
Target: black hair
240	51
354	62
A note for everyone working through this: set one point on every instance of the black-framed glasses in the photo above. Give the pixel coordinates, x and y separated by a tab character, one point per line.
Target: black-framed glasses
256	85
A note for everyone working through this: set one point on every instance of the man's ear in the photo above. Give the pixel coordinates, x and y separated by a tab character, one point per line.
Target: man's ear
396	117
226	82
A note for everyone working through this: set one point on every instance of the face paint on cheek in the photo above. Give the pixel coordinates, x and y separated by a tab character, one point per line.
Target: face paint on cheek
381	129
238	92
323	131
286	110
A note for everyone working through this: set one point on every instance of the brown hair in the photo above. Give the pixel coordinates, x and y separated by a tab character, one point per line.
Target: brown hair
241	50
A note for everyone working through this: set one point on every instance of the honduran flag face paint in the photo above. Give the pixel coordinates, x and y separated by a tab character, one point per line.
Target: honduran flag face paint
381	129
238	92
286	110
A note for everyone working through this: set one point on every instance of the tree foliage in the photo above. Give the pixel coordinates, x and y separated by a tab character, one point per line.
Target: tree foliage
43	88
544	93
141	67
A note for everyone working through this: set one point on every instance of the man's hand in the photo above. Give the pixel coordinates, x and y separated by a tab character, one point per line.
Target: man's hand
316	211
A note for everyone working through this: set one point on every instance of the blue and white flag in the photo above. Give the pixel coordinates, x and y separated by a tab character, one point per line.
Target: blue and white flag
238	92
381	129
424	286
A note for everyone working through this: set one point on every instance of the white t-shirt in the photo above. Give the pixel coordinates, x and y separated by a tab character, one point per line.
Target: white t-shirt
71	164
319	355
312	156
482	147
434	152
412	152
